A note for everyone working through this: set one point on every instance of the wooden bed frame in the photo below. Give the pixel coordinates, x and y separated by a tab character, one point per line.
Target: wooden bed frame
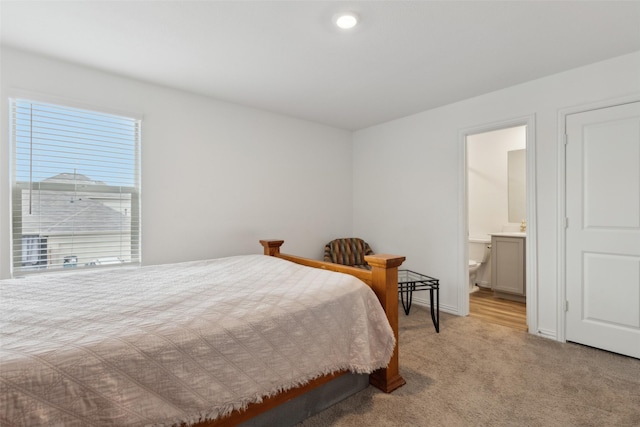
383	279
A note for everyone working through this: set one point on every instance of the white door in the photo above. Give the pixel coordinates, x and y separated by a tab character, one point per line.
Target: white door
603	228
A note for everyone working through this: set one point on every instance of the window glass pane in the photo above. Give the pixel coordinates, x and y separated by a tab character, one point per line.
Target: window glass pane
75	193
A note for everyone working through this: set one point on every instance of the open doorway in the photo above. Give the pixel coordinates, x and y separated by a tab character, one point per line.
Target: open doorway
496	205
499	260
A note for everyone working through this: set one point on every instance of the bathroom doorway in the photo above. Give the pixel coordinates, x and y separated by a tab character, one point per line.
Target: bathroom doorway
498	199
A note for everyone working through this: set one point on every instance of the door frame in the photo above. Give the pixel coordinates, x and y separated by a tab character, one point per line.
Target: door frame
561	326
531	241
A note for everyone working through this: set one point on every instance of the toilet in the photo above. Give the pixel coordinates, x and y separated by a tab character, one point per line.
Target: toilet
479	252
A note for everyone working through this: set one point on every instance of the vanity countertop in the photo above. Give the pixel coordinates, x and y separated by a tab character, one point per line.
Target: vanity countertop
510	234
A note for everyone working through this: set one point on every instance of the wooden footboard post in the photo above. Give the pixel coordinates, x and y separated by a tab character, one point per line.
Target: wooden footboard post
384	269
271	247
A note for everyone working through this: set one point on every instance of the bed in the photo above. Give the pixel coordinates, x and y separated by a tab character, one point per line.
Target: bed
206	343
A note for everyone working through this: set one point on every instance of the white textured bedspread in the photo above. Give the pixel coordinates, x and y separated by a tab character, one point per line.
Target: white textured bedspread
178	343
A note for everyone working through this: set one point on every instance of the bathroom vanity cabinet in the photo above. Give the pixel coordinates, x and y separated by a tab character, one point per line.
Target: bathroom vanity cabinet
508	279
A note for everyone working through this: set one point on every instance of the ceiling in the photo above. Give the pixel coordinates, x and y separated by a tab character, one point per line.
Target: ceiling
287	57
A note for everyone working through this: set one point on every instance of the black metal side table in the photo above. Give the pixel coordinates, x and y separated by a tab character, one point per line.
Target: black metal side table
409	282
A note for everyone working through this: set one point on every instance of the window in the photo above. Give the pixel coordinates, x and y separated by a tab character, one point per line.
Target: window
76	187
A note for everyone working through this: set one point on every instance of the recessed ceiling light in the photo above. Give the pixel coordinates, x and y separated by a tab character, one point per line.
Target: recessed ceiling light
346	20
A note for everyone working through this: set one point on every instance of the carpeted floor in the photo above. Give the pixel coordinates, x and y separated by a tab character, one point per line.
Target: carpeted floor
479	374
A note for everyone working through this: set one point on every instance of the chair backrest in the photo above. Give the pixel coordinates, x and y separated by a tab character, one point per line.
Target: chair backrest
347	251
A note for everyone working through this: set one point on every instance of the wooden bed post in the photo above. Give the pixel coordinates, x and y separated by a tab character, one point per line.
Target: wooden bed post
383	279
271	247
384	282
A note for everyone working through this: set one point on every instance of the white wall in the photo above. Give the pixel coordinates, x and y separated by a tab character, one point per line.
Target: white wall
216	176
408	172
488	183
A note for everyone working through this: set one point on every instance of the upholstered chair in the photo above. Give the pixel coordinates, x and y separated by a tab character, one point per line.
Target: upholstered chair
348	251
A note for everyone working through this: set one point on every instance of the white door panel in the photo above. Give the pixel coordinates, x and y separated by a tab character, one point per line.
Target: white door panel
611	174
599	299
603	233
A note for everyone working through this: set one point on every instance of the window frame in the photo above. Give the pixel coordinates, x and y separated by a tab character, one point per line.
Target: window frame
18	186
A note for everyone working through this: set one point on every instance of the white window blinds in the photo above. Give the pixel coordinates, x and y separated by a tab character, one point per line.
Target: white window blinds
76	187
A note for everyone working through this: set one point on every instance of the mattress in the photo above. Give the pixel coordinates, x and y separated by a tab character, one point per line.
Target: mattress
179	343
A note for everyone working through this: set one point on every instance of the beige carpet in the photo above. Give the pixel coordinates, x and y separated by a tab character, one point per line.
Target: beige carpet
478	374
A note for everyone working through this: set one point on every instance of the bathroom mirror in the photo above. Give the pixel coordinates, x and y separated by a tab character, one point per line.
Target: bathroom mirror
517	185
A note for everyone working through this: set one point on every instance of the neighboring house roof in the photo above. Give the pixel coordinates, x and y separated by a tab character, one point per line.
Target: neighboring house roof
73	178
65	212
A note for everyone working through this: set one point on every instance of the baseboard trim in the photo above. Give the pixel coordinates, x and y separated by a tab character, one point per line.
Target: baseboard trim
424	302
545	333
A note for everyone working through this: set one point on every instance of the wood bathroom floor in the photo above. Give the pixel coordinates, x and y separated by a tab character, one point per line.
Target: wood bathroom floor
483	305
